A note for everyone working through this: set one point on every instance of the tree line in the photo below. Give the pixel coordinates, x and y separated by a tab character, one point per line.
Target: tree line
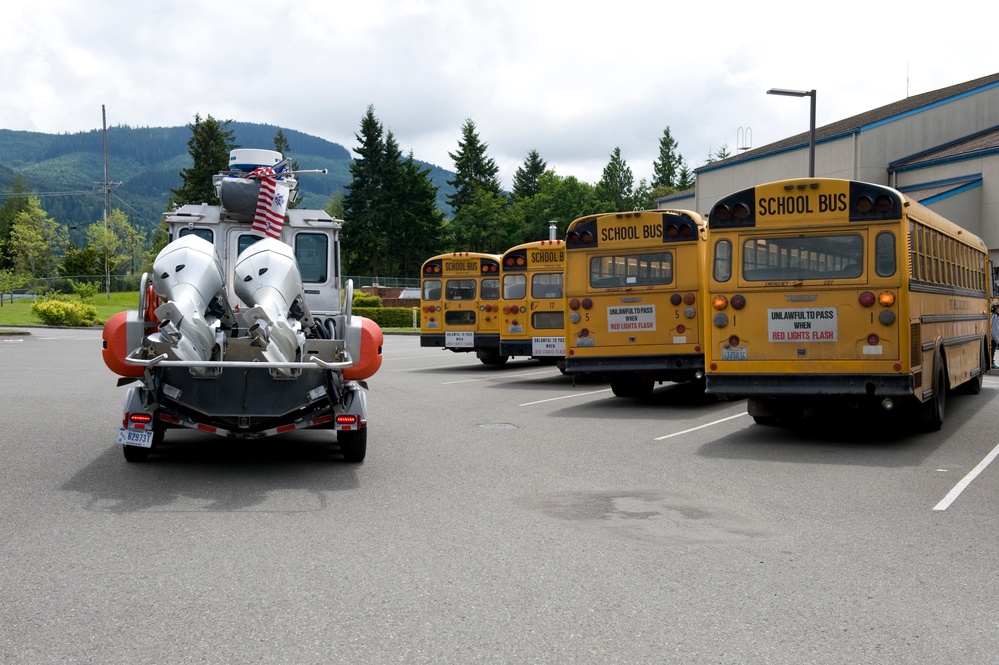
393	221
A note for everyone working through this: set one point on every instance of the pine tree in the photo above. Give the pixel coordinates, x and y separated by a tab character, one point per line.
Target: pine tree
420	220
362	233
616	186
209	147
664	169
686	179
474	170
525	179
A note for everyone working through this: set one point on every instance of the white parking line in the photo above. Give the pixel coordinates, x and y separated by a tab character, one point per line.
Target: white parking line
956	492
499	376
555	399
694	429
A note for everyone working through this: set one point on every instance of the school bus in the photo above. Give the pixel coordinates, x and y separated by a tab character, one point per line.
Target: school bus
459	298
532	303
636	299
845	294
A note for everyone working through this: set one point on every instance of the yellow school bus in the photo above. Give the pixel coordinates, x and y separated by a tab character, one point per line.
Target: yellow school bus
846	294
636	299
532	303
459	298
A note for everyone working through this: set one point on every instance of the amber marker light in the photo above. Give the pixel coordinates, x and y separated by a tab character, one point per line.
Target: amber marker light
719	302
887	299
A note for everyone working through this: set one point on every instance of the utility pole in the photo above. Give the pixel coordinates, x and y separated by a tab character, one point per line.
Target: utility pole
106	186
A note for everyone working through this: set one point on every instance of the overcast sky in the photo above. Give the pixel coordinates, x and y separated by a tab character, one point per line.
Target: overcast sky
570	79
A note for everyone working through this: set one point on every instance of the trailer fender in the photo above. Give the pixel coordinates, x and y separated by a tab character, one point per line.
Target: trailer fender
355	403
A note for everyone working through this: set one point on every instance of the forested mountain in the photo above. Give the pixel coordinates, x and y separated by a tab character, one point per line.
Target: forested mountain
66	171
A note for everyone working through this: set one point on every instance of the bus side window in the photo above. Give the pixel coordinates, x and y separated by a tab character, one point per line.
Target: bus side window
723	261
884	251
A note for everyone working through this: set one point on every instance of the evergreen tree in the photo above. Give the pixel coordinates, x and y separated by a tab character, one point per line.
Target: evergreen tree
364	237
686	179
719	154
474	170
616	186
83	261
17	201
420	229
525	179
664	169
209	147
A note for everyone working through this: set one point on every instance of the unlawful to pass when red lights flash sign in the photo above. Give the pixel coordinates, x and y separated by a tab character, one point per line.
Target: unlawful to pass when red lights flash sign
802	324
631	318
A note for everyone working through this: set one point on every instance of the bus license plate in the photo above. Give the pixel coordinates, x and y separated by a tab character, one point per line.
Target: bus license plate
134	437
737	353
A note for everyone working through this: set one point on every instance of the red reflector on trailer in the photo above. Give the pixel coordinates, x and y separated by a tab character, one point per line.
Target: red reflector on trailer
285	428
207	428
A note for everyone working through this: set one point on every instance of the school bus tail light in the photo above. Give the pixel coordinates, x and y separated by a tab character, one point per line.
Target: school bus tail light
738	301
675	299
719	302
867	299
586	303
689	298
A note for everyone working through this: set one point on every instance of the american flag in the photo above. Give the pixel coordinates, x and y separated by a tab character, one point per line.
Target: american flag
272	202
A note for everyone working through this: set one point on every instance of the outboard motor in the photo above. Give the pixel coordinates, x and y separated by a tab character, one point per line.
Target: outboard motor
187	273
267	277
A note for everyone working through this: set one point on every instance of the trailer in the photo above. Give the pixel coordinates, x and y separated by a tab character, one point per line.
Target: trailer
244	328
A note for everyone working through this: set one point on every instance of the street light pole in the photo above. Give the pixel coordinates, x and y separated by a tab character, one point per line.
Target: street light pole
811	124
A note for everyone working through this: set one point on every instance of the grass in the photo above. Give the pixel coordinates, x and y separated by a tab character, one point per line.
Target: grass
19	313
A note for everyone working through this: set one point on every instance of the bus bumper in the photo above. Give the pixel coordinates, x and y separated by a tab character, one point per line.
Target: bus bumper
654	367
518	348
807	385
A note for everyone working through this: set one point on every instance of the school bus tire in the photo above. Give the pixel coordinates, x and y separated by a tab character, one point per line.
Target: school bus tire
353	444
632	387
935	409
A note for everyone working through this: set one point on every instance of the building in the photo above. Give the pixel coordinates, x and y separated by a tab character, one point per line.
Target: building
940	148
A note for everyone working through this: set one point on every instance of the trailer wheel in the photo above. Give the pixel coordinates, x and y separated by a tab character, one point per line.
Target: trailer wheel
353	444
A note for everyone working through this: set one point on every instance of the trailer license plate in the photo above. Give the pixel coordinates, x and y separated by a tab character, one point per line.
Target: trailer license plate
133	437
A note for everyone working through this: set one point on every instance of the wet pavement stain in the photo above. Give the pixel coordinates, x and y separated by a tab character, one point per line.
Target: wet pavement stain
648	515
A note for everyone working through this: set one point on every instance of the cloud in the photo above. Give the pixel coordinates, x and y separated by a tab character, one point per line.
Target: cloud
572	80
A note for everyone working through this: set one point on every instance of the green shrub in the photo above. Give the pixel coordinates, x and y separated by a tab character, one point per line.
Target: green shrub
389	317
86	291
362	299
65	313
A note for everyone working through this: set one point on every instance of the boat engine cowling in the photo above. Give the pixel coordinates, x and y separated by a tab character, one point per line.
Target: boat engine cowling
188	275
267	278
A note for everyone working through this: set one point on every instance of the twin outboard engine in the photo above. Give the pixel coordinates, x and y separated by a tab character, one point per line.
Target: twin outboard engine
268	278
187	273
